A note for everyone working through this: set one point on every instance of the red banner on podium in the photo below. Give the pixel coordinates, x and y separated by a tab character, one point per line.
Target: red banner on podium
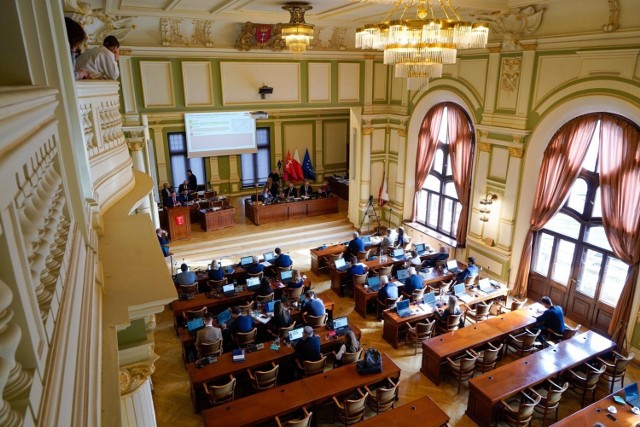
180	220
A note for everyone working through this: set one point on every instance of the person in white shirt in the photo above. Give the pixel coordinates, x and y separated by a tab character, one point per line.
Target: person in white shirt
101	62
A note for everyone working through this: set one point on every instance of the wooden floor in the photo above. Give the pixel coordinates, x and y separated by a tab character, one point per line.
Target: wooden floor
171	383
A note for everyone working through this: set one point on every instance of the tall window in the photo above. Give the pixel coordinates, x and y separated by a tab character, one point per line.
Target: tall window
437	200
180	163
572	258
256	166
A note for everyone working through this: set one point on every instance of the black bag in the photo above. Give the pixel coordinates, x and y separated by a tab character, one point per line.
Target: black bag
371	364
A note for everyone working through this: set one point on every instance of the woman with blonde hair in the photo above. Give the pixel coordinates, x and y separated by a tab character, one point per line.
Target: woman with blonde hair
351	345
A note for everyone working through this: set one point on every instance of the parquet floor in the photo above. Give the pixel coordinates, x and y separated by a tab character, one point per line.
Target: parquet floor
171	383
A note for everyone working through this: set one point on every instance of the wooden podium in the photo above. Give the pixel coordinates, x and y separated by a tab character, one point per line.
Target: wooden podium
179	222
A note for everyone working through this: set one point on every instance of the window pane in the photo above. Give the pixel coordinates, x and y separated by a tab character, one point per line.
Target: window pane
262	137
589	272
248	176
197	168
447	215
591	157
578	195
442	136
597	237
615	274
434	204
597	205
562	262
438	161
543	254
450	190
449	167
564	224
263	164
422	207
178	170
432	183
456	218
177	143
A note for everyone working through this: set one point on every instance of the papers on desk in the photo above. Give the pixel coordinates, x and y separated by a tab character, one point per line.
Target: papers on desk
466	298
262	318
281	285
266	263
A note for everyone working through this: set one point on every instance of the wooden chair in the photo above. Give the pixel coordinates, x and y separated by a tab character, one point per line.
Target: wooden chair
521	343
383	398
309	368
189	290
615	368
217	394
194	314
443	288
360	279
297	422
522	414
420	332
263	299
384	271
585	381
283	333
332	258
480	313
463	367
550	399
470	280
264	380
440	263
350	411
347	357
214	285
243	339
315	321
259	274
452	323
388	303
293	293
488	358
246	308
415	295
515	305
568	333
363	255
213	348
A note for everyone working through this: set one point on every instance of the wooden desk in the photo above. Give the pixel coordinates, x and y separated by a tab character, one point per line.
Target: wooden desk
317	256
362	297
339	276
338	187
214	305
264	214
394	324
597	412
486	391
436	350
423	411
216	219
305	392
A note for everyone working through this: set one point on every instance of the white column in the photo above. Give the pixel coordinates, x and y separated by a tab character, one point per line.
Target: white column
136	407
136	147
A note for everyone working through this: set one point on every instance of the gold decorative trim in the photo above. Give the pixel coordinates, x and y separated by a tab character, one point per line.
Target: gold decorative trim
516	152
135	145
367	131
402	133
484	146
134	377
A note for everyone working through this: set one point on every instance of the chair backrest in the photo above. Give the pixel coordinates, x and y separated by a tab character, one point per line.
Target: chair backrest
281	269
246	308
261	299
301	422
191	289
351	357
570	332
621	363
360	279
490	356
266	379
529	339
470	279
283	333
333	257
215	284
312	368
482	310
354	409
417	294
468	364
525	410
517	305
440	263
220	393
246	338
385	397
385	271
554	393
390	302
316	321
293	293
424	329
363	255
593	376
453	322
213	348
445	287
259	274
194	314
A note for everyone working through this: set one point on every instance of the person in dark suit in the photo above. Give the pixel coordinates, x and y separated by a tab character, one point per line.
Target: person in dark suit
172	201
313	306
273	186
165	193
402	239
193	181
282	260
308	348
275	177
240	322
306	190
443	255
163	239
356	244
185	198
183	186
414	282
290	191
265	288
209	333
325	190
255	267
552	319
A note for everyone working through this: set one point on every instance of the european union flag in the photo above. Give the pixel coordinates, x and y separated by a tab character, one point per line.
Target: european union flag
307	167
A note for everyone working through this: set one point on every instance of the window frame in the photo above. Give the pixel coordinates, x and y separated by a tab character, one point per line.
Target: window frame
188	162
262	147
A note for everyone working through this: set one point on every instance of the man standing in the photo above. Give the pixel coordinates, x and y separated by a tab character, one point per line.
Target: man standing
193	181
356	244
163	239
101	62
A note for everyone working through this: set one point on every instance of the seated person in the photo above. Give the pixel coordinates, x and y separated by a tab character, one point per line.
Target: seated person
451	309
172	200
279	197
163	239
552	319
308	348
266	194
305	189
281	317
443	255
356	244
415	259
185	197
414	282
183	186
239	322
296	280
290	192
209	333
255	267
351	345
387	290
387	242
216	272
282	260
356	267
402	238
265	288
325	190
186	277
470	271
100	62
313	306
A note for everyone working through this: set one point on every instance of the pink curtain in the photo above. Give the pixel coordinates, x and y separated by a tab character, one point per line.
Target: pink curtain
560	167
461	152
427	143
620	194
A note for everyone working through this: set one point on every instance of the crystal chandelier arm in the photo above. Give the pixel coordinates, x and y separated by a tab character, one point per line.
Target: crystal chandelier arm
451	8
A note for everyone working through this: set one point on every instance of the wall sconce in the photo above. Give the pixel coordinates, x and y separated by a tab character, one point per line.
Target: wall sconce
265	90
485	206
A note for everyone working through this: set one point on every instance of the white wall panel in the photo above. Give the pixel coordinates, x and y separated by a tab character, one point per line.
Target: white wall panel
379	82
335	142
241	80
157	84
474	72
298	136
319	82
197	85
499	163
552	72
378	140
348	82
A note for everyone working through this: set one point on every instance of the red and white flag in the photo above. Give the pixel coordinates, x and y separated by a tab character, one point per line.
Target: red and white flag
289	172
297	166
383	196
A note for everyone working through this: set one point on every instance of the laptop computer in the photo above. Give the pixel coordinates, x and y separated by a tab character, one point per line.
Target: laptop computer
295	334
459	289
420	248
341	325
341	264
270	306
398	254
229	290
253	283
374	283
631	395
286	275
246	260
403	309
429	299
366	240
224	317
194	325
486	286
228	270
403	275
452	266
269	256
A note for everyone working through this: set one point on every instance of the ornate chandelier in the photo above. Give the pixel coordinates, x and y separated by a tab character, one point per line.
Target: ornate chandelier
417	48
297	34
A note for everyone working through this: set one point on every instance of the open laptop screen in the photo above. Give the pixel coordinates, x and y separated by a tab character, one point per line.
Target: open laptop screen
269	256
484	284
452	265
429	298
227	289
271	306
366	239
374	282
397	253
340	263
195	324
224	317
459	289
340	322
403	305
246	260
631	392
403	274
253	283
286	275
420	248
296	334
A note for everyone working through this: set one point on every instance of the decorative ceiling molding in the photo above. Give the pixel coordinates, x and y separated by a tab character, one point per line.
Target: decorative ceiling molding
614	16
512	24
86	15
171	32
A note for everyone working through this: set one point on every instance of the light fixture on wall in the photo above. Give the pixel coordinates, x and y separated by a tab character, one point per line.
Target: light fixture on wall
417	48
485	206
265	90
297	34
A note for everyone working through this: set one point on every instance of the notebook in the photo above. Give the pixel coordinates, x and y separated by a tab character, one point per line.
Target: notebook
341	325
403	309
295	334
631	394
228	290
253	283
341	264
374	283
420	248
246	260
224	317
398	254
269	256
195	325
403	274
452	266
286	275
